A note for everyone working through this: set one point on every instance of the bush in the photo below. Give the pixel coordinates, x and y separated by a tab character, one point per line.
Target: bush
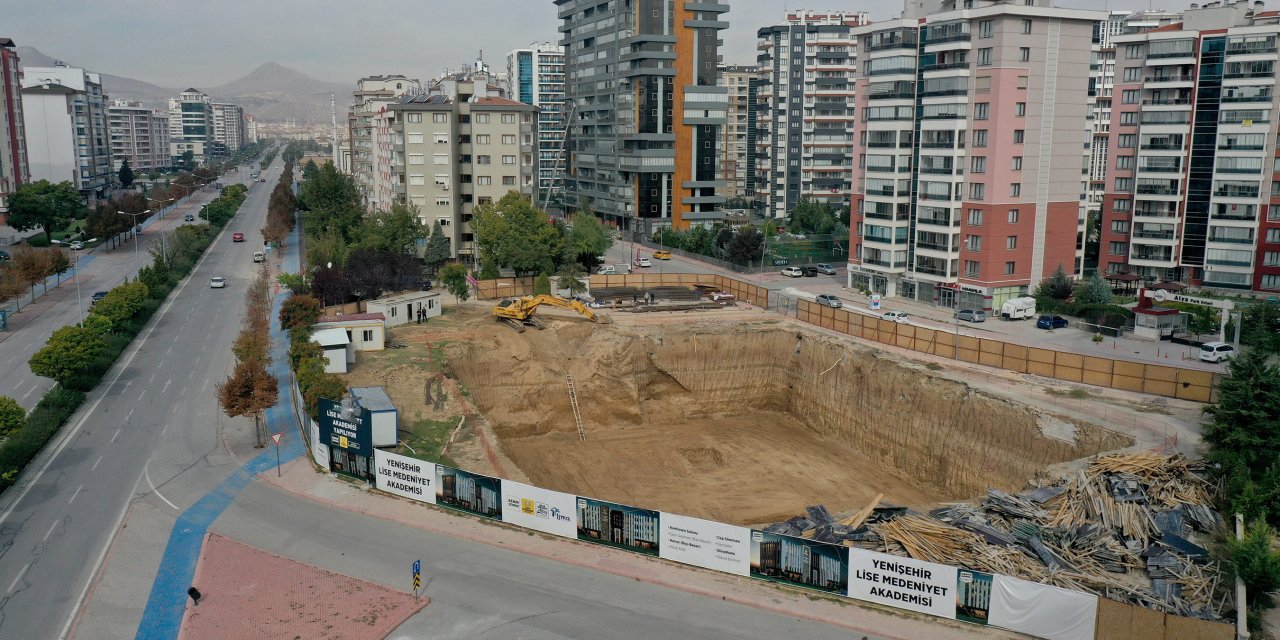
24	444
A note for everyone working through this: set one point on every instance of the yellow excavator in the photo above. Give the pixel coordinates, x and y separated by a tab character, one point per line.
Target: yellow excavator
519	312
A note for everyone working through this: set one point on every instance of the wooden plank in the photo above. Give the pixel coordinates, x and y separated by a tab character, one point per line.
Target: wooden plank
1126	383
1161	374
1098	365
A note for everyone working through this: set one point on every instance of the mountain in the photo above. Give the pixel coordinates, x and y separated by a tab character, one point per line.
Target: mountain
271	93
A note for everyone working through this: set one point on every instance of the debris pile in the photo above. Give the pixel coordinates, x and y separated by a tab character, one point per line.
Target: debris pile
1118	528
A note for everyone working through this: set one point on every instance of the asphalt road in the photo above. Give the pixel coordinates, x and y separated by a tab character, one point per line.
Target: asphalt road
152	426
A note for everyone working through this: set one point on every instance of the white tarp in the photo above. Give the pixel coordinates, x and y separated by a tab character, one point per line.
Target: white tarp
707	544
404	476
319	450
1043	611
536	508
903	583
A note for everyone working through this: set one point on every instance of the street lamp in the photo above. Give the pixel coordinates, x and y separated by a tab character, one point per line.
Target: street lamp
75	269
135	231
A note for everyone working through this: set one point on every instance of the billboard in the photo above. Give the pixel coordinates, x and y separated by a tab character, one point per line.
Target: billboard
973	596
353	433
470	492
536	508
618	525
706	544
404	476
904	583
801	562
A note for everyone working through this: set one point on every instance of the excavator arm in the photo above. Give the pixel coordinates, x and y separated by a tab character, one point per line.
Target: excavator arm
520	311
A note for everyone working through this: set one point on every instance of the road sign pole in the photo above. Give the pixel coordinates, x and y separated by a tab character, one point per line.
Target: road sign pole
276	438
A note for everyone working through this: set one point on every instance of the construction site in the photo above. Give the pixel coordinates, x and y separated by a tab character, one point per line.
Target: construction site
739	415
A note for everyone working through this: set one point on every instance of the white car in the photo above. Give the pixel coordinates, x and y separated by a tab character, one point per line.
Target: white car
1216	351
644	262
77	245
217	282
828	300
896	316
793	272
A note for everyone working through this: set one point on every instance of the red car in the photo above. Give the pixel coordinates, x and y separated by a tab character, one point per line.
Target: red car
237	237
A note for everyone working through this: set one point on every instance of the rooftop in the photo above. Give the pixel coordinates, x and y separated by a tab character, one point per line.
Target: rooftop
352	317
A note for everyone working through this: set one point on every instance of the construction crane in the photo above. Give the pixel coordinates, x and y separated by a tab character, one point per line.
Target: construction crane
518	312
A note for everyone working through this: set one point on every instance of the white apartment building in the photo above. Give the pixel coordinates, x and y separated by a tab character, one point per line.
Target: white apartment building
251	129
738	137
191	125
138	134
369	125
536	77
458	145
806	109
228	126
65	116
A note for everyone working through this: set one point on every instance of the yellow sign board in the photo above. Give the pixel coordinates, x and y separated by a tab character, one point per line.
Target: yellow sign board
342	442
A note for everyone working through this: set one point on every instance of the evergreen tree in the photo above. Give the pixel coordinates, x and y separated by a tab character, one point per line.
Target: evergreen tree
438	251
126	174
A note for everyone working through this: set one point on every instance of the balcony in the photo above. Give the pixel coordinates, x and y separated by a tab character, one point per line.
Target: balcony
1249	51
955	37
885	263
1156	213
1161	147
942	66
1236	193
932	246
946	171
1230	240
935	271
1167	102
895	44
1167	79
1233	99
1154	235
1151	190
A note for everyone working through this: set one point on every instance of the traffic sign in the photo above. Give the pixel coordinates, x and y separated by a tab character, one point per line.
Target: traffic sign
417	577
277	437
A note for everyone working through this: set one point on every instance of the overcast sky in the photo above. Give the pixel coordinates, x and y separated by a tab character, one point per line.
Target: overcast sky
177	43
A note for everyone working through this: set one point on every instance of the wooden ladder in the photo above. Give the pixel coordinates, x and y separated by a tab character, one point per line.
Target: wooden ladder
573	402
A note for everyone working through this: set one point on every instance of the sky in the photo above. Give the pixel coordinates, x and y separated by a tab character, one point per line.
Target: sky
176	43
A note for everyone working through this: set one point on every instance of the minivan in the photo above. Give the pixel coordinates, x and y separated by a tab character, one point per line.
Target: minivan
971	315
1216	351
259	256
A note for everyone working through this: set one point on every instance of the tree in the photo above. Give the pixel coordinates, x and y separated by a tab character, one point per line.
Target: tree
44	205
1202	320
394	231
542	285
586	238
747	245
1256	562
570	278
121	303
513	233
249	391
1092	239
126	174
438	250
1093	290
489	269
454	277
331	286
70	351
294	282
299	311
12	415
809	216
1058	286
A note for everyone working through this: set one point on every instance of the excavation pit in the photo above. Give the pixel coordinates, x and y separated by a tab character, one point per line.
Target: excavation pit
746	422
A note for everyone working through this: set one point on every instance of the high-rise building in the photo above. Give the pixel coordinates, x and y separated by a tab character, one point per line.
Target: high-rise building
971	126
13	144
251	129
191	126
647	111
457	145
228	126
536	75
806	109
371	144
738	137
138	134
65	113
1192	191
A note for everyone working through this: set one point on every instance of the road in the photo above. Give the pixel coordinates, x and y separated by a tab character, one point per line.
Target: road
102	269
151	427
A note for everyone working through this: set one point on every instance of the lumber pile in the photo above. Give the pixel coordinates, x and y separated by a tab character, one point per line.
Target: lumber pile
1119	528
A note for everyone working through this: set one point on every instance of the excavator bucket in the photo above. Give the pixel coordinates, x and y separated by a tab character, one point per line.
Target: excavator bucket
602	318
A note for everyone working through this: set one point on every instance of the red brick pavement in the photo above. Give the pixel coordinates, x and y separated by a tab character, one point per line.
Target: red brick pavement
248	593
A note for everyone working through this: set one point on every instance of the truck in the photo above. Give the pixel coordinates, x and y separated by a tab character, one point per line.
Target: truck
1018	308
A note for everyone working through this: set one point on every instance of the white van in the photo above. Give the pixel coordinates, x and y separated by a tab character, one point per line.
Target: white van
1216	351
259	256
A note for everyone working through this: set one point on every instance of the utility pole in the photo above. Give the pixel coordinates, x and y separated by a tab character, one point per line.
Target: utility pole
333	116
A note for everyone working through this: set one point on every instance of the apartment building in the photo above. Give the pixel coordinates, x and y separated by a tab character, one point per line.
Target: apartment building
536	76
13	143
138	134
971	125
65	114
251	129
806	103
457	145
191	126
647	111
228	126
1193	191
369	125
738	136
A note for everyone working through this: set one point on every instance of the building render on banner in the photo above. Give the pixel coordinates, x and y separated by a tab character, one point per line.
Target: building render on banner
969	170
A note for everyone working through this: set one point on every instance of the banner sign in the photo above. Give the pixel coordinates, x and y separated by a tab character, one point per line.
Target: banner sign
706	544
973	596
903	583
404	476
319	446
354	433
470	492
618	525
1041	610
539	509
801	562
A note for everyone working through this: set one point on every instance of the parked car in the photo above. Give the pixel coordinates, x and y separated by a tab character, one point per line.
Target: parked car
259	256
971	315
828	300
793	272
825	269
896	316
606	270
188	218
237	237
97	295
809	272
217	282
4	255
1216	351
77	245
1051	322
644	262
662	255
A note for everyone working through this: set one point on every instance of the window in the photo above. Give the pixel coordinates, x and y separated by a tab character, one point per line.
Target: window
1018	135
973	243
1024	54
442	201
484	160
482	138
980	138
1271	282
508	159
971	268
439	117
978	164
975	217
417	180
508	139
1124	184
367	334
1124	162
1022	82
484	181
440	158
1020	109
1127	141
1129	117
1011	242
440	138
1013	216
985	28
1273	236
417	158
1121	205
482	118
1118	248
984	57
1017	163
508	118
1009	268
413	117
1273	213
982	84
981	110
977	191
1129	96
1119	226
1133	74
442	180
1271	259
414	138
509	181
1134	51
1026	26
